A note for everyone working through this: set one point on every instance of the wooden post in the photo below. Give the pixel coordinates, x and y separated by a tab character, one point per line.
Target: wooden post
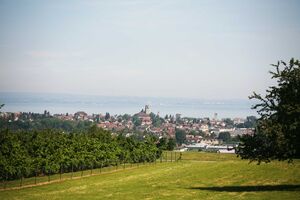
35	175
171	156
81	171
21	181
100	167
72	172
166	156
180	156
5	180
48	176
60	172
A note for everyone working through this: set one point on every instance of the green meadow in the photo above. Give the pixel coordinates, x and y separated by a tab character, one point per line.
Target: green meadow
195	176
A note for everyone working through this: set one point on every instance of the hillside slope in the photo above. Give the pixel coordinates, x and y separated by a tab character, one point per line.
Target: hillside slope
198	176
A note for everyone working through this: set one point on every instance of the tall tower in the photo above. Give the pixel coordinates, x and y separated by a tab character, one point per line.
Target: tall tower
147	109
215	116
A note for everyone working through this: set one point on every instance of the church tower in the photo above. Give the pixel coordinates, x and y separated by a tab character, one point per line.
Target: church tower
147	109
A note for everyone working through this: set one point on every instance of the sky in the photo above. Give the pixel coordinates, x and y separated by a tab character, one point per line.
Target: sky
158	48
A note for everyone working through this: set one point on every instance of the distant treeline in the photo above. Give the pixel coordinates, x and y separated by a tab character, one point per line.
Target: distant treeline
40	152
41	123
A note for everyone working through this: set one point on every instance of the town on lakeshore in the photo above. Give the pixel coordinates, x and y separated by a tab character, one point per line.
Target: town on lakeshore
201	134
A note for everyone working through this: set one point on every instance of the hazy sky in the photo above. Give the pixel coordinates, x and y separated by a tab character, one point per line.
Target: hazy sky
164	48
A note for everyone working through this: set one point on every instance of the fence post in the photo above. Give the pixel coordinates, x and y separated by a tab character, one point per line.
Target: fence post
180	156
21	181
60	172
81	171
100	167
171	156
6	177
35	175
72	172
49	175
124	164
175	157
166	156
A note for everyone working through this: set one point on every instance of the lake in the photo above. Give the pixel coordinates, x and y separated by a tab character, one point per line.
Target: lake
71	103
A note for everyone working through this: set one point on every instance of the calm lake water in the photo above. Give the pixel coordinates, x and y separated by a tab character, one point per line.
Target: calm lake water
63	103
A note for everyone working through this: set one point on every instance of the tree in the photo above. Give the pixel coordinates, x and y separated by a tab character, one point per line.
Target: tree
126	117
156	120
28	153
249	123
136	120
228	122
162	143
277	134
180	136
171	144
107	116
212	135
225	136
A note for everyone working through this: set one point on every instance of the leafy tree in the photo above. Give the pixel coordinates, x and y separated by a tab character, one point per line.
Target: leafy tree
212	135
27	153
136	120
162	143
156	120
277	135
180	136
225	136
228	122
171	144
107	116
126	117
14	160
249	123
166	144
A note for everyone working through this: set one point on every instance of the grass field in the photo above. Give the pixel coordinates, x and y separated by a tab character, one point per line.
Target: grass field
197	176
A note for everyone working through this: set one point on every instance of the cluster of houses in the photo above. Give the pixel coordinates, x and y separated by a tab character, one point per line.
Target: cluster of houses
201	133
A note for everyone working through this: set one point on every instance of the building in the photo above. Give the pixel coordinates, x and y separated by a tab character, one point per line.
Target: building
178	116
145	118
216	116
147	109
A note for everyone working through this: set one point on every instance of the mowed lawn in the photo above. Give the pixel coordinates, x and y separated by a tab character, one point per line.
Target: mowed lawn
197	176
